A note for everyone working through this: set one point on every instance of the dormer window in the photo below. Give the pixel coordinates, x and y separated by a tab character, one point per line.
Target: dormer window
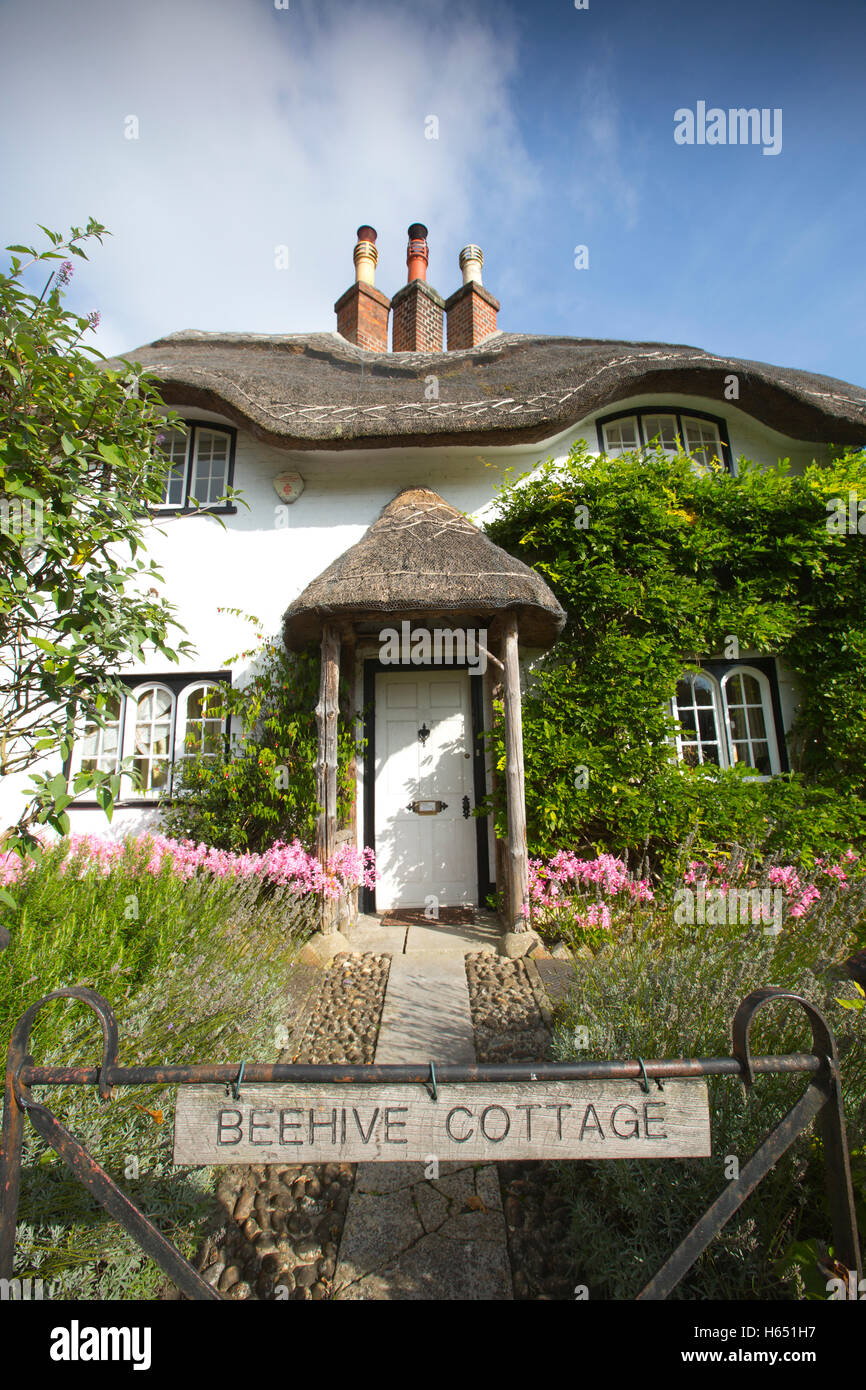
201	467
705	437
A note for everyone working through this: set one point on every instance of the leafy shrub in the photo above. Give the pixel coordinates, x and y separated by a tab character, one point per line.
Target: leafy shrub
261	787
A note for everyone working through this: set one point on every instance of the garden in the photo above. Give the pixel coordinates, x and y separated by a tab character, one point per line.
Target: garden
675	890
195	950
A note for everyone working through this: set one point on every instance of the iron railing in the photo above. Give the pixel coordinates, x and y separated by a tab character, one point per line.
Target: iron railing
821	1101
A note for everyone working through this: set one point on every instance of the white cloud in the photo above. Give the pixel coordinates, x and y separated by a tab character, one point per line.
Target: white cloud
258	128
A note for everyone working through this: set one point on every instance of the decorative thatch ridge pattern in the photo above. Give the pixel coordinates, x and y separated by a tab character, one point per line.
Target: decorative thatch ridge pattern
319	391
422	557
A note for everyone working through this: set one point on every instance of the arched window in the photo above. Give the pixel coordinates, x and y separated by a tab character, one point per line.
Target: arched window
695	705
157	723
100	745
200	725
749	719
151	725
727	721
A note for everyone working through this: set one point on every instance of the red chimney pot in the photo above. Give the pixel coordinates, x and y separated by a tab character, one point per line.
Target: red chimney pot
417	254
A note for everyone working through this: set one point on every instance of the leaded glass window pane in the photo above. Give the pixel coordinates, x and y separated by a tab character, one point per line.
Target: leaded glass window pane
173	446
210	468
660	432
702	441
621	436
101	746
153	734
695	708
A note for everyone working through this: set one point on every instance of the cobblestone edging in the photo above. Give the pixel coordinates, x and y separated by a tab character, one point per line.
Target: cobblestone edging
512	1020
277	1233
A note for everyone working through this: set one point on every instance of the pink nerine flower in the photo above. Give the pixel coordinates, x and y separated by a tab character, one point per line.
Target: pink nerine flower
288	865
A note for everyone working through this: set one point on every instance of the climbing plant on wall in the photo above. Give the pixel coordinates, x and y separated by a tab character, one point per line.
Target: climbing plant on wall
659	563
260	786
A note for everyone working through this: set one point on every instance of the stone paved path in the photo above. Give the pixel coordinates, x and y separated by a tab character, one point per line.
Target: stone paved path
426	1013
435	1233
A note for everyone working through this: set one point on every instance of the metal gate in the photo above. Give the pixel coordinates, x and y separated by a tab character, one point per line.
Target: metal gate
821	1101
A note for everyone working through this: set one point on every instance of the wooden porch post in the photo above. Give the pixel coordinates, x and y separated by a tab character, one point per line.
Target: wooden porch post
326	765
518	859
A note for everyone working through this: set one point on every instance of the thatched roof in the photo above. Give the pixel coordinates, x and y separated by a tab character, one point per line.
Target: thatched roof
422	557
316	390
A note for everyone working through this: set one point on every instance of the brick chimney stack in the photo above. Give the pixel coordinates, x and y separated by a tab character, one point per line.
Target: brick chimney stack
418	308
362	312
472	309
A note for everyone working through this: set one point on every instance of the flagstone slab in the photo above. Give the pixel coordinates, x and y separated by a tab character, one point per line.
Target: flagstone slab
408	1236
426	1014
434	1239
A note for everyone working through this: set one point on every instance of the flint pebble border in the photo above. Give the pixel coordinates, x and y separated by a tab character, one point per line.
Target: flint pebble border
277	1232
512	1020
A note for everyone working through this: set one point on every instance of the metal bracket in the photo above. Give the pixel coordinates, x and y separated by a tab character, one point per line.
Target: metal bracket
236	1085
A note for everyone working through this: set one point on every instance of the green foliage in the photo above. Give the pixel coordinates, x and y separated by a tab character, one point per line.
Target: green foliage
195	970
263	787
662	991
80	470
673	562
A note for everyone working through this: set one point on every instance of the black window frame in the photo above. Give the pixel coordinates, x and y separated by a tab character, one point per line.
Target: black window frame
176	684
228	508
678	411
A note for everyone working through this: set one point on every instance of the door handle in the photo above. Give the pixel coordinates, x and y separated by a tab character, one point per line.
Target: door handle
466	808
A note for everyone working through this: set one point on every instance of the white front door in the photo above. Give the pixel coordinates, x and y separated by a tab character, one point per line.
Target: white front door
424	754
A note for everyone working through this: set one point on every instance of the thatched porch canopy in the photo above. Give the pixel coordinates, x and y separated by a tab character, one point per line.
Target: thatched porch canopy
422	557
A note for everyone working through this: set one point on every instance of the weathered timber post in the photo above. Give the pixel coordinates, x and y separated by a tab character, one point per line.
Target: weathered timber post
326	764
518	859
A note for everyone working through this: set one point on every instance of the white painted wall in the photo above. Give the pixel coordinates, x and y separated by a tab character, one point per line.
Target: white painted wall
261	558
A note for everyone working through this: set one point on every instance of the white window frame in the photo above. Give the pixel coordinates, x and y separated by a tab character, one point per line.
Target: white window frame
717	716
133	699
682	419
175	465
723	720
183	720
194	465
190	469
79	755
767	712
615	450
180	696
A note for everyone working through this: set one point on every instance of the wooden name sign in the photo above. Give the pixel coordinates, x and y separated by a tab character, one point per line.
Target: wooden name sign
562	1119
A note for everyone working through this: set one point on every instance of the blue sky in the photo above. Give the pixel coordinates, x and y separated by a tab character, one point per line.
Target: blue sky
260	128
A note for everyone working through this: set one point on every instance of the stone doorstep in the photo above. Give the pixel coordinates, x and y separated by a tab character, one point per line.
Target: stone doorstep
369	933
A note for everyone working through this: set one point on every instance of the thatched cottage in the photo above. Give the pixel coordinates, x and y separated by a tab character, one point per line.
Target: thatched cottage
366	470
